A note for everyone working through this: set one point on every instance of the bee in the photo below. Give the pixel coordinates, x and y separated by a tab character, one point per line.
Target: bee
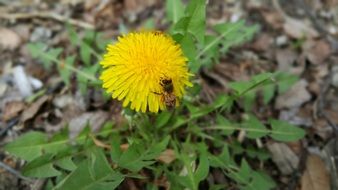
158	33
167	96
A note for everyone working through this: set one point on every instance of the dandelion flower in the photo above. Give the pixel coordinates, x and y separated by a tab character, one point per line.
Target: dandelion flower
146	70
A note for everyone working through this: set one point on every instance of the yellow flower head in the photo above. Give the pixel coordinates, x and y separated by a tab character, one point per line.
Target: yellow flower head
147	70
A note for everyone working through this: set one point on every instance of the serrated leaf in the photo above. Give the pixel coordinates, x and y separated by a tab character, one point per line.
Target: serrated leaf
73	36
85	53
36	48
202	169
28	146
64	70
243	175
137	156
174	10
232	34
162	119
41	167
33	144
194	21
47	57
88	71
222	160
242	87
220	120
283	131
81	178
99	166
66	163
258	130
260	181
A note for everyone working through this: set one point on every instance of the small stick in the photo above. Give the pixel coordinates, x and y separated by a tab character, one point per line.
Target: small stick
47	15
14	172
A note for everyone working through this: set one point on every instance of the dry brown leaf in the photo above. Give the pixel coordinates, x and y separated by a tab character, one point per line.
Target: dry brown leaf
273	18
285	159
299	29
263	42
34	108
9	39
295	96
12	109
315	176
167	156
285	59
94	119
317	51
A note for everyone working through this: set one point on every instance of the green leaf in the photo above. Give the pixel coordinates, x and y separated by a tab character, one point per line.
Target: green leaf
66	163
203	168
174	10
73	36
82	178
47	57
162	119
231	34
41	167
116	151
268	93
243	87
189	50
28	146
36	48
285	81
260	181
98	164
258	130
137	156
88	73
85	53
220	120
64	70
223	160
194	21
243	175
283	131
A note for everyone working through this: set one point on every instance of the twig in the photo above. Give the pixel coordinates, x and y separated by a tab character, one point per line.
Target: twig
47	15
10	124
14	172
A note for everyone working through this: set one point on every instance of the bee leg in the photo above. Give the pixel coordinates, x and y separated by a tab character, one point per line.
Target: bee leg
157	93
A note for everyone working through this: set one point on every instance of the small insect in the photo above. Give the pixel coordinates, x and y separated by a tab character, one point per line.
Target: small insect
168	96
157	33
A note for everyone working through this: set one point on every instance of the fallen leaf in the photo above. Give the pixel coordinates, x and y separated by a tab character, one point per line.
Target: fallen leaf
167	156
263	42
34	108
299	28
285	59
285	159
12	109
317	51
9	39
295	96
94	119
315	176
273	18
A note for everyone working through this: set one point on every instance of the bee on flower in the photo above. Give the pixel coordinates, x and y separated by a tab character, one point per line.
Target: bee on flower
146	70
